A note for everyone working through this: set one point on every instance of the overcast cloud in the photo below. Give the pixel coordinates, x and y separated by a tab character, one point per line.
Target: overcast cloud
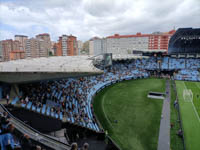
88	18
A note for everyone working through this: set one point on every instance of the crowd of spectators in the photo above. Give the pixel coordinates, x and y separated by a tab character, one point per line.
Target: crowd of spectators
72	97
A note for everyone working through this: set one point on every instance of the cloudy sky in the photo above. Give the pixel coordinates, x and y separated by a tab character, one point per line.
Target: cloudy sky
88	18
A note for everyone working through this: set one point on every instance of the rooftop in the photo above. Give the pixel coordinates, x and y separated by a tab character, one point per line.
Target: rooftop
50	64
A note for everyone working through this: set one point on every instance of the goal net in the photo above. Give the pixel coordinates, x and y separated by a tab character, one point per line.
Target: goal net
187	95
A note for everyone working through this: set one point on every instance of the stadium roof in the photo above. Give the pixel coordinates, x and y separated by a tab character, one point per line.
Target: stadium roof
34	69
47	68
126	57
50	64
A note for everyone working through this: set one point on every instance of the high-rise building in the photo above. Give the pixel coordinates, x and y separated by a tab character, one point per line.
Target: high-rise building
39	46
91	47
1	52
125	44
32	48
158	40
7	46
80	46
96	45
17	54
66	46
22	39
72	47
45	44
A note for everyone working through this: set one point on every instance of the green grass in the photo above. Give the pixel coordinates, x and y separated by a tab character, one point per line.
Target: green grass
176	142
191	124
138	116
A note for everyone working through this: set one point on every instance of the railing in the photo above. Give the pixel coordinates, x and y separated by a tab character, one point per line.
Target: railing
36	135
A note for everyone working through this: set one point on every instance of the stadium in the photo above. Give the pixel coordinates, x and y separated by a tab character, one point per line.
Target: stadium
144	101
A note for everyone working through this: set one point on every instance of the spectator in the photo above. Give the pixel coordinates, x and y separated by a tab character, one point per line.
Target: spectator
7	99
85	146
74	146
4	121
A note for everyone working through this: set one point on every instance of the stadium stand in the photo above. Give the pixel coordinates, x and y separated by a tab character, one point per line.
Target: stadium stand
71	99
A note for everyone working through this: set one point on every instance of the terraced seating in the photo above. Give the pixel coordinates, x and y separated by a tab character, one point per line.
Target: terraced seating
190	75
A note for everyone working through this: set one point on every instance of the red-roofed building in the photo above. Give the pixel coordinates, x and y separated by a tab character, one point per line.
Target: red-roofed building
125	44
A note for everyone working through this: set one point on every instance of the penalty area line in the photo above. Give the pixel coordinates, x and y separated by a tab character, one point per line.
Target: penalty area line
196	113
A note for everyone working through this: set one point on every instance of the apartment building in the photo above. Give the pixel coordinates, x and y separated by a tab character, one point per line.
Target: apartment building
79	46
66	46
44	44
7	46
17	54
125	44
22	39
32	48
1	53
91	47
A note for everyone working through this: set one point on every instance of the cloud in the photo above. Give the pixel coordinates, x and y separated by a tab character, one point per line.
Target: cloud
88	18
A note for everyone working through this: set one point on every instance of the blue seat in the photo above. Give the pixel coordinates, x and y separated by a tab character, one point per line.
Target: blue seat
43	108
96	127
14	100
48	111
29	105
38	109
72	119
33	108
61	116
68	119
23	105
52	114
56	115
59	94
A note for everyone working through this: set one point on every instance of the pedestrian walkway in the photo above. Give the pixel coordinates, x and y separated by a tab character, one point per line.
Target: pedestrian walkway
164	134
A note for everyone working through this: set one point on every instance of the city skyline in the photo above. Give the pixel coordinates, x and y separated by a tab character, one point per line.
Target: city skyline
86	19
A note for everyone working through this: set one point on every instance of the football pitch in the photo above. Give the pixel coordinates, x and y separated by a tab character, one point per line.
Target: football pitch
131	119
190	113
